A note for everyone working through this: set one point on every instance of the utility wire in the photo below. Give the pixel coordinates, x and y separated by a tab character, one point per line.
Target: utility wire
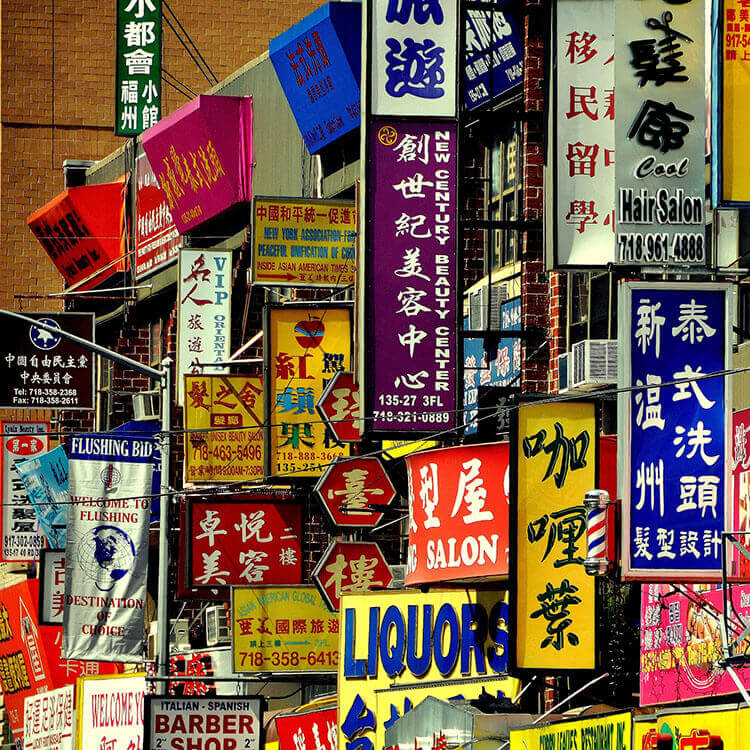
184	44
187	90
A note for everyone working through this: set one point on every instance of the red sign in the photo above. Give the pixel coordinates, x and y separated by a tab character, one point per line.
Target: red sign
83	230
241	542
350	568
350	486
157	241
316	730
339	408
458	513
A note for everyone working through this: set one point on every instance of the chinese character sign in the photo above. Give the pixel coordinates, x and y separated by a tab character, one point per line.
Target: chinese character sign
458	514
230	409
316	730
660	132
305	347
673	468
287	629
51	586
556	452
138	73
241	543
703	729
48	720
740	446
411	277
584	133
203	337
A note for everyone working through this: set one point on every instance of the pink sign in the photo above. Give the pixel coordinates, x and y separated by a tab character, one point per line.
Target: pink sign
681	642
202	157
741	481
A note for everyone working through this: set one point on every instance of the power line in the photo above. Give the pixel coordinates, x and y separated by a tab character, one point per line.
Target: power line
184	44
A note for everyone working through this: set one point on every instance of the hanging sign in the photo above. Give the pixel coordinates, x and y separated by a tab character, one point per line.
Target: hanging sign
339	407
555	610
51	586
660	131
305	346
230	408
611	732
48	720
21	536
673	465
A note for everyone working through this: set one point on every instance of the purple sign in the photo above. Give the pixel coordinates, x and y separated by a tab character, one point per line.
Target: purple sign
411	276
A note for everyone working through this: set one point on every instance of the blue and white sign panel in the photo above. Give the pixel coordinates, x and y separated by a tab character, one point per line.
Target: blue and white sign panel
674	451
413	57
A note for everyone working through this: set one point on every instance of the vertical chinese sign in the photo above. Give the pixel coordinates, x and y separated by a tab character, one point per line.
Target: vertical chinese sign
555	610
660	132
305	346
138	70
741	484
674	451
51	586
584	133
203	335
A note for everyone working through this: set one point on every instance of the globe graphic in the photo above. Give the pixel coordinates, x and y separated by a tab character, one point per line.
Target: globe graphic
106	555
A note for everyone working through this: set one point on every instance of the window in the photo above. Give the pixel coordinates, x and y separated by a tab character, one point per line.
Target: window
592	307
156	342
104	402
505	198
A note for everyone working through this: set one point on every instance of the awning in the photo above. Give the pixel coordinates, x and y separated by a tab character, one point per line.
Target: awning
83	231
202	157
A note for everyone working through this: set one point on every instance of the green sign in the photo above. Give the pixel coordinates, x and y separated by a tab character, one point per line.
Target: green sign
138	85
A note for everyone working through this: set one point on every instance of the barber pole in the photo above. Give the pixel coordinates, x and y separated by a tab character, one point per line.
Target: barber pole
597	503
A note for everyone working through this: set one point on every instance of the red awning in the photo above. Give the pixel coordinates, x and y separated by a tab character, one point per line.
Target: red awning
83	231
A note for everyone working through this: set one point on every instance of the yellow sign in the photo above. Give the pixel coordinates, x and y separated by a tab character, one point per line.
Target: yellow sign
693	731
400	448
306	347
556	467
454	642
283	629
230	409
611	732
298	242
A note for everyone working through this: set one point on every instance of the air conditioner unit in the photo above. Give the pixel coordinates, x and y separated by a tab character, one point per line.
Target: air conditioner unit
217	627
146	405
594	364
563	372
479	304
179	637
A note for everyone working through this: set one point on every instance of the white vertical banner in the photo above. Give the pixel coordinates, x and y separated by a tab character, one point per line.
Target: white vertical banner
48	720
106	555
584	134
203	332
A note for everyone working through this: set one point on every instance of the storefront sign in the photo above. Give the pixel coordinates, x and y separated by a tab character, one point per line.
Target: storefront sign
739	565
411	277
157	241
412	63
202	156
204	317
45	479
109	712
287	629
351	487
584	134
317	62
350	568
42	370
48	720
315	729
138	69
305	347
454	642
555	613
401	448
207	664
611	732
106	557
83	231
698	730
660	131
304	242
240	541
21	536
674	454
340	408
458	514
203	723
51	586
230	409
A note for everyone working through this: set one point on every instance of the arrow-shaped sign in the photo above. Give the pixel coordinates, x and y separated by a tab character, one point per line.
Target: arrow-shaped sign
285	276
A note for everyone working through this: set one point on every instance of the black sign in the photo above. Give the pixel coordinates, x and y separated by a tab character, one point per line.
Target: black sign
43	370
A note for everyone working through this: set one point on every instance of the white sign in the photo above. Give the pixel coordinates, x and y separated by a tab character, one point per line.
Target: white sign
51	586
21	536
584	134
203	333
413	58
48	720
203	723
106	555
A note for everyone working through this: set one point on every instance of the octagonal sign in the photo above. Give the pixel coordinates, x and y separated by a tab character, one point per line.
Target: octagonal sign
350	568
350	487
338	407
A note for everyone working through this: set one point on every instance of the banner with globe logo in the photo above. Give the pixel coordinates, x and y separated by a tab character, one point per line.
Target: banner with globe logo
106	553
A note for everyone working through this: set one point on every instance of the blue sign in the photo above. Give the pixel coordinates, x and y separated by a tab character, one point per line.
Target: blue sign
317	62
499	47
676	457
137	428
